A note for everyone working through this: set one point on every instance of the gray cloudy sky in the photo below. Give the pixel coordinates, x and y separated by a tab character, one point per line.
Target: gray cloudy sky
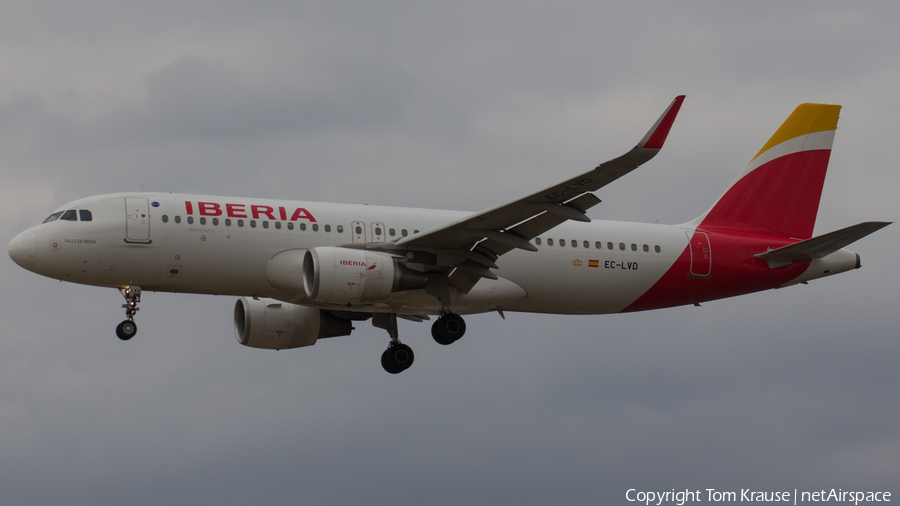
458	105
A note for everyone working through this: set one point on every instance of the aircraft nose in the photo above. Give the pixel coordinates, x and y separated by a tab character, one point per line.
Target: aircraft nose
21	249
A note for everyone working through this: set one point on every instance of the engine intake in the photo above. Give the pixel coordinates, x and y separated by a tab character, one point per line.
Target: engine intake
275	325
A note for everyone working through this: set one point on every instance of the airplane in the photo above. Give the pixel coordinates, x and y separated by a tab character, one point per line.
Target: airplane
304	271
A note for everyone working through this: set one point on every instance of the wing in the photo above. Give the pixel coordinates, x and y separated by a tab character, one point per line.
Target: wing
471	246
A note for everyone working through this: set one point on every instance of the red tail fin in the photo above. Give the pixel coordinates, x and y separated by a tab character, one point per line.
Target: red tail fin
779	190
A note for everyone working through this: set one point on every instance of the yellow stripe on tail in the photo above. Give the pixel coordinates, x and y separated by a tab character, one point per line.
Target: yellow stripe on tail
806	119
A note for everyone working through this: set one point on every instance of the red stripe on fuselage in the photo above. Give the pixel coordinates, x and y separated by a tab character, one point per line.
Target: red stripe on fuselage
734	272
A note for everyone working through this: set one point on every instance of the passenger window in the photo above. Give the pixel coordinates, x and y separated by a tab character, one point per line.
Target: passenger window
303	226
328	228
227	222
562	242
278	225
252	223
657	249
190	220
165	219
53	217
598	245
574	243
69	215
415	231
265	224
85	215
203	221
646	248
315	227
290	226
216	221
358	230
609	245
622	246
633	247
377	230
340	229
404	233
178	219
587	245
240	223
549	242
537	241
392	232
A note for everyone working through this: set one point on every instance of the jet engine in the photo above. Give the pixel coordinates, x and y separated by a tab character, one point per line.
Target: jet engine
276	325
341	275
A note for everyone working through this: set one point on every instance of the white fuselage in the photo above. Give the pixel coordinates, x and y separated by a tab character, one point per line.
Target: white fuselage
163	244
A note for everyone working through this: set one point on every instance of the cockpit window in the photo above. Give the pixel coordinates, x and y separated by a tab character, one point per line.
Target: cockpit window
53	217
69	215
84	215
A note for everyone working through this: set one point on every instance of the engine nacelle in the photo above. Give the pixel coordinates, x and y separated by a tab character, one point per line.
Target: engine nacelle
344	275
276	325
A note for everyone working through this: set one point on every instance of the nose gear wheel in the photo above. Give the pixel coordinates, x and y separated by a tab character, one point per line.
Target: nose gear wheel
126	330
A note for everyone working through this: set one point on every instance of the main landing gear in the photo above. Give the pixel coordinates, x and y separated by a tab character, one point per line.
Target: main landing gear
448	328
398	356
127	329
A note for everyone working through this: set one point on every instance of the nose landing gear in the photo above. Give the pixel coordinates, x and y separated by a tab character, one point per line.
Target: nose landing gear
127	329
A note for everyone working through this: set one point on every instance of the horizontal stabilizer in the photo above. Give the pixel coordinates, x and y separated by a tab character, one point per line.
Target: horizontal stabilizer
821	246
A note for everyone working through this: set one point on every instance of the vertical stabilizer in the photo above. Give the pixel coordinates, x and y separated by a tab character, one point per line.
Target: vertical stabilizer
779	190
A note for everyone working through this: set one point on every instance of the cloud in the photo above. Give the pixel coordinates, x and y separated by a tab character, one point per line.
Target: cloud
18	200
199	99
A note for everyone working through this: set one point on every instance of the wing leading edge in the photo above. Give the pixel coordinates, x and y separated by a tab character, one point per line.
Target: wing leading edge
473	244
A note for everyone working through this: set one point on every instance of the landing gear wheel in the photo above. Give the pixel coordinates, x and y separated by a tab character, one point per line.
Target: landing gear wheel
448	328
397	358
126	330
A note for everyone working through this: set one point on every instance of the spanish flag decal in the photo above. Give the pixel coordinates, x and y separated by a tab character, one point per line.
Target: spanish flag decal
593	263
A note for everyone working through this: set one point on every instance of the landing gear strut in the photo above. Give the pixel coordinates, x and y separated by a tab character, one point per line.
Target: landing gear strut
448	328
398	356
127	329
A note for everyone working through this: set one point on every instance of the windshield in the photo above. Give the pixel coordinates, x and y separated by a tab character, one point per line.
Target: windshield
70	215
53	217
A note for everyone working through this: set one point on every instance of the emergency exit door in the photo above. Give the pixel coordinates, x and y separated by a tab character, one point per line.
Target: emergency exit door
377	232
358	229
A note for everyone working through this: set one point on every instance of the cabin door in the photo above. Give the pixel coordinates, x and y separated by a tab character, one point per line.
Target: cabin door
701	255
137	219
